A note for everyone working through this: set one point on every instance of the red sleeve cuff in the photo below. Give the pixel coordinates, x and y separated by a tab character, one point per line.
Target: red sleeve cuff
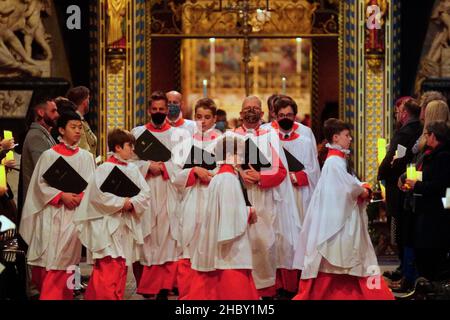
275	176
191	179
302	178
165	174
56	200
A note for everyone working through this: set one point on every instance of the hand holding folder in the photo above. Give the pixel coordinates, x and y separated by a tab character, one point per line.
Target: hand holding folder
254	157
200	158
119	184
148	147
63	177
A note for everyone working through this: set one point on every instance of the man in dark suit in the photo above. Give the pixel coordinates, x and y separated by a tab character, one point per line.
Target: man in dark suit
407	112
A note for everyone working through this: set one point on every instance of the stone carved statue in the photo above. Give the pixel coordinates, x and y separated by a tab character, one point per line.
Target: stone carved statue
16	56
436	62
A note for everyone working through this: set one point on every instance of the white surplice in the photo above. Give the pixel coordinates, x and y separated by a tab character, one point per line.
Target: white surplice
160	238
195	197
49	231
334	236
275	236
303	149
104	228
224	240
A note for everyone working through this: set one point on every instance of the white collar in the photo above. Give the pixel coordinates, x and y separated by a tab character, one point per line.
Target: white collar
337	147
74	147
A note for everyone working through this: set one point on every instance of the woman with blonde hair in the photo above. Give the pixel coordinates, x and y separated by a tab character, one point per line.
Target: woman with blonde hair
436	110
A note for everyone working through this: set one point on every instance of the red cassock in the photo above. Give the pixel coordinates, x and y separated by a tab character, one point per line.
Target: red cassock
108	280
157	277
222	285
329	286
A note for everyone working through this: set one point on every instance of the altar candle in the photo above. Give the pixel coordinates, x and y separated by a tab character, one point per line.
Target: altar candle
299	55
205	88
8	135
212	61
2	176
283	85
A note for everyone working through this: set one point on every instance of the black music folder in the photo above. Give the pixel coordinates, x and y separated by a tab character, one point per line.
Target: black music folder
200	158
148	147
244	191
293	164
119	184
63	177
254	157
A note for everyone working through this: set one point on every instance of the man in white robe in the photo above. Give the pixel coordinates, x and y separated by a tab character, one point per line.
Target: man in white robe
47	221
160	250
274	236
300	128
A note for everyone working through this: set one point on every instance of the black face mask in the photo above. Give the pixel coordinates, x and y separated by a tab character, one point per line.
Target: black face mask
252	116
286	124
158	118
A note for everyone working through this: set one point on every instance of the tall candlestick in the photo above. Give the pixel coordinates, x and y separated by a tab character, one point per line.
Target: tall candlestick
212	61
283	85
299	55
205	88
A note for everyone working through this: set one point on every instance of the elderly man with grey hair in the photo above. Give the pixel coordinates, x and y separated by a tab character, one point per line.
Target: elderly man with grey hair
264	172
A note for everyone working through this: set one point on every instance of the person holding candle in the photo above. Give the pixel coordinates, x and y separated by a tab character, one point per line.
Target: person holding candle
407	113
13	278
431	238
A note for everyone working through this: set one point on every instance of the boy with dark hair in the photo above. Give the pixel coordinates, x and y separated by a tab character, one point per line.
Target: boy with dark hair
47	221
80	97
110	225
334	250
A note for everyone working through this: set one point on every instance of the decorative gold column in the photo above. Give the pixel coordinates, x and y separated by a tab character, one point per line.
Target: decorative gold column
366	79
116	66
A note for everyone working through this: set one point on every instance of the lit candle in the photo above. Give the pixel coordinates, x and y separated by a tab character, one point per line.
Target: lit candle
212	61
8	135
2	176
205	88
299	55
283	85
411	172
381	143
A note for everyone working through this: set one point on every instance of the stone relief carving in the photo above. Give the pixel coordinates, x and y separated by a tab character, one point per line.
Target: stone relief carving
21	26
14	104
